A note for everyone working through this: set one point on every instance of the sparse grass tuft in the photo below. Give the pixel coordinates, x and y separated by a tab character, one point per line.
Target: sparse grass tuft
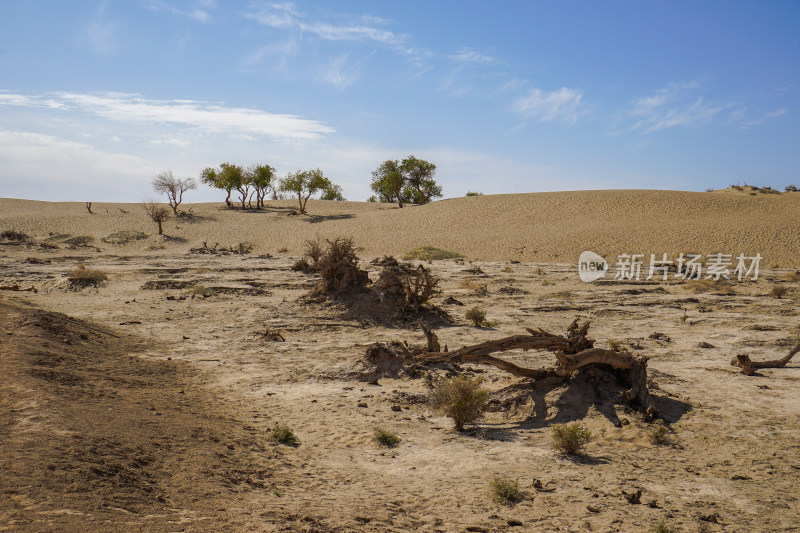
505	491
283	434
615	345
123	237
570	439
659	435
386	438
460	398
428	253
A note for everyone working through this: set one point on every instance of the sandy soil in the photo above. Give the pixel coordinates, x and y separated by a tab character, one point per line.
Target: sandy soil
150	407
538	227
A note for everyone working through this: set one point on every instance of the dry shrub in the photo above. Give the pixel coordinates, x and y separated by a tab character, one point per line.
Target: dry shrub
301	265
283	434
123	237
700	286
419	287
778	291
85	277
476	315
338	266
460	398
11	235
80	240
386	438
314	250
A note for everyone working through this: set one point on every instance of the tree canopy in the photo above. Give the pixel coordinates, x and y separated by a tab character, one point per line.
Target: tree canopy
166	183
405	182
305	183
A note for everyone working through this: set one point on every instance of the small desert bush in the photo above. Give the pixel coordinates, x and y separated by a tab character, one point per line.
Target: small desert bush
570	439
386	438
507	269
338	266
243	248
80	240
283	434
793	276
313	249
14	236
539	272
429	253
778	291
123	237
477	316
615	345
505	491
460	398
473	193
83	276
659	434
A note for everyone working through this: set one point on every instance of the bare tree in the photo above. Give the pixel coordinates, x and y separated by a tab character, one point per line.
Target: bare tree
166	183
88	206
157	213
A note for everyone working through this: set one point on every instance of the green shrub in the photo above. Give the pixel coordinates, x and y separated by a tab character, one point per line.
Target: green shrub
386	438
473	193
477	316
123	237
429	253
283	434
80	240
505	490
570	438
460	398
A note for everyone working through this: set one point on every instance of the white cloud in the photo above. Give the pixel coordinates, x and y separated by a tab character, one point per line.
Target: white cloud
202	116
197	14
562	104
676	106
286	16
467	55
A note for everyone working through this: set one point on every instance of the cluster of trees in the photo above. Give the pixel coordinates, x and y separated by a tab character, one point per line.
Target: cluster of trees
257	181
409	181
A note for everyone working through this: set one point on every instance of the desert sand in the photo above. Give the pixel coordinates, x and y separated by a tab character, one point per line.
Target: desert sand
146	403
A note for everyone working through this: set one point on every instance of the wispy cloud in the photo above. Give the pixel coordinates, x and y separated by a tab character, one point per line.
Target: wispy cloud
199	14
203	116
676	105
100	33
286	16
563	104
468	55
341	72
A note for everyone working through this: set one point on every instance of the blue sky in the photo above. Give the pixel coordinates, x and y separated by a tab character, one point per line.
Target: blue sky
97	97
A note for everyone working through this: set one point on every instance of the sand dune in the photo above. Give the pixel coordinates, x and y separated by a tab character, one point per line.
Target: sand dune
543	227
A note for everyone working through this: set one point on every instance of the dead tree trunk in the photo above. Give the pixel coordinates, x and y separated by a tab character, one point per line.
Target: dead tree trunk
749	367
572	350
88	206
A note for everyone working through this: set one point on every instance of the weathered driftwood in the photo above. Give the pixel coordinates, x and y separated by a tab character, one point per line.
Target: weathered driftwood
573	351
749	367
17	288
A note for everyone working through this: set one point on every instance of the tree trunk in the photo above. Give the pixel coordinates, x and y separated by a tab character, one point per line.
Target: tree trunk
749	367
89	207
228	198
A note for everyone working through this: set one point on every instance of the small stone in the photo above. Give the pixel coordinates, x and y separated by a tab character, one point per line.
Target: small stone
362	404
396	408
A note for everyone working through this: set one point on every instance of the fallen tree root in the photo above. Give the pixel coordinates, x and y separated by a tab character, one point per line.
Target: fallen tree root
749	367
573	351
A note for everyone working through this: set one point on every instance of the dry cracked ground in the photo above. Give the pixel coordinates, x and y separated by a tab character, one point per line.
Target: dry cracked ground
147	403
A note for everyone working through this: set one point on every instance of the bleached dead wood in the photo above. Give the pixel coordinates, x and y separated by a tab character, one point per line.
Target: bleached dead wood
749	367
573	350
